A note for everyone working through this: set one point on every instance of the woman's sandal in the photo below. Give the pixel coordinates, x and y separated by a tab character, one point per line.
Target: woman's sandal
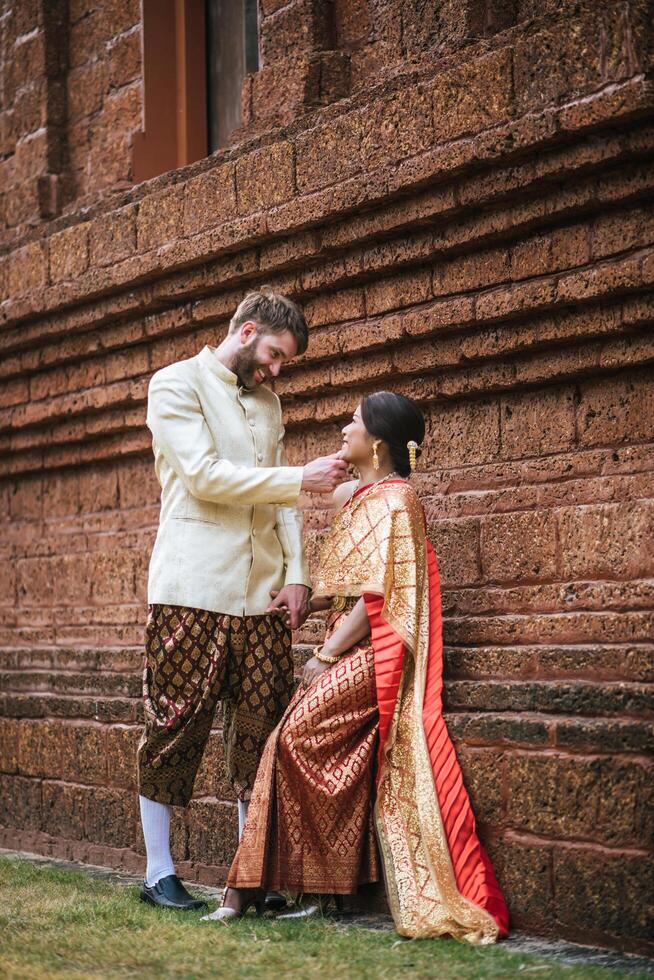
224	914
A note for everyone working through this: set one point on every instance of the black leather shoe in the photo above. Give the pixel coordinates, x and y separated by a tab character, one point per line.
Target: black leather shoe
169	893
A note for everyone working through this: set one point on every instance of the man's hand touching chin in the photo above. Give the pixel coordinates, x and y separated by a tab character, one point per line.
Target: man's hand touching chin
293	603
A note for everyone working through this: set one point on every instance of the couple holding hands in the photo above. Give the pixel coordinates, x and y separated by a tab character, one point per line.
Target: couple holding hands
352	776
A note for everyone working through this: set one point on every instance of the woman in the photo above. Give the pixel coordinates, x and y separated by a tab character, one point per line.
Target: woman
362	753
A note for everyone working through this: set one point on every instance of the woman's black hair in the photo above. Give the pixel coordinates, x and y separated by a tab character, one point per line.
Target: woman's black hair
396	420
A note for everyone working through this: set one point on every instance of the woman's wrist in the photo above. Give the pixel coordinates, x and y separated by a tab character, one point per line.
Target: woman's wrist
325	655
330	649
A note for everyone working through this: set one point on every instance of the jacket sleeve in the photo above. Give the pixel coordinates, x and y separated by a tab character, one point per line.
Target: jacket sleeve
180	431
289	532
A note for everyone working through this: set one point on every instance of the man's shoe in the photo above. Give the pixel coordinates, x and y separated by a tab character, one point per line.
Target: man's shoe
169	893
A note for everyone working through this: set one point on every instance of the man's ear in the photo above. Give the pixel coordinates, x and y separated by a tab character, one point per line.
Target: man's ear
247	330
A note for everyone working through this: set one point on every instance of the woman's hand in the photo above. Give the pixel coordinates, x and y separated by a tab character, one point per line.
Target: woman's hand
320	603
312	669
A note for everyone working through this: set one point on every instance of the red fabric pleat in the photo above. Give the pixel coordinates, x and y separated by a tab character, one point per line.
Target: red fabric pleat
473	871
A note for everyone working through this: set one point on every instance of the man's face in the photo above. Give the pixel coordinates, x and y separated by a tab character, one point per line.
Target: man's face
261	355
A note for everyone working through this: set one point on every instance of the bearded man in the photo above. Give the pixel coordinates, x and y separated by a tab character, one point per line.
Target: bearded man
229	536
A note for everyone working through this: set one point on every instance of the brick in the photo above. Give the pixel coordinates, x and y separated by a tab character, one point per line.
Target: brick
457	546
212	832
265	178
64	809
398	291
69	253
301	26
112	236
472	272
98	489
553	796
463	433
21	803
112	818
280	89
28	269
483	774
612	540
556	63
209	199
121	746
616	410
611	892
395	126
330	152
534	423
86	87
9	734
26	499
124	59
137	483
519	547
524	872
160	218
353	22
113	576
121	15
473	96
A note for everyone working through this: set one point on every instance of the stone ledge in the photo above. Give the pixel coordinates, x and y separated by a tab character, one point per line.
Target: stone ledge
239	232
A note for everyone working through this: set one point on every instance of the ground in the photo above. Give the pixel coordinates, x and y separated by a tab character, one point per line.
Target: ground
56	922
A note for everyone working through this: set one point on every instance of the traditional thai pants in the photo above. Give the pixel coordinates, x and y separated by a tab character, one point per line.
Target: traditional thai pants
310	821
194	659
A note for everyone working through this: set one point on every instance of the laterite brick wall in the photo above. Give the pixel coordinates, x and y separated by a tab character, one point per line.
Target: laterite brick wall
462	202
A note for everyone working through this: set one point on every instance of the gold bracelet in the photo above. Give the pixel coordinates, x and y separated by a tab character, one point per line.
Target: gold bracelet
324	659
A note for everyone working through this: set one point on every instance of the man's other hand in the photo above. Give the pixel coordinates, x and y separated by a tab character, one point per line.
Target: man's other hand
293	604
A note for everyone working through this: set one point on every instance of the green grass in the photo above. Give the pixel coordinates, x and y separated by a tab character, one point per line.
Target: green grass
57	923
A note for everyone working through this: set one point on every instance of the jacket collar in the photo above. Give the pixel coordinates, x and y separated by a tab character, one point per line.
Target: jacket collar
211	361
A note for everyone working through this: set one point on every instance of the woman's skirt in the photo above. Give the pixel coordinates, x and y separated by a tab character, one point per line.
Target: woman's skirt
310	823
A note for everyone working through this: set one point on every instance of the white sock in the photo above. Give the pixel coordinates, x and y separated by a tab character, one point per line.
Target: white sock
155	818
242	816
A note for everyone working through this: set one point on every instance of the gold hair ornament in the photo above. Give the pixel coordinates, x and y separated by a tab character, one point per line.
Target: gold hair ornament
412	446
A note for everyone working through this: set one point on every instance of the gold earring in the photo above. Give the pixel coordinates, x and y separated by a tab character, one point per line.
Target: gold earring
412	446
375	457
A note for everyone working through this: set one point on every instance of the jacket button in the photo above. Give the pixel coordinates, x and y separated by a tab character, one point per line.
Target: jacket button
259	456
254	532
251	422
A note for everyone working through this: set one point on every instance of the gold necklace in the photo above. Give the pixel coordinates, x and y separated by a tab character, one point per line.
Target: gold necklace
349	514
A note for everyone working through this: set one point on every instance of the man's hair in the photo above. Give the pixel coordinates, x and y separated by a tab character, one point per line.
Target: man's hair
272	313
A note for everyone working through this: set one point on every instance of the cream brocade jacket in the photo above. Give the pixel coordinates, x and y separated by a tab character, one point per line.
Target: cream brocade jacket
228	531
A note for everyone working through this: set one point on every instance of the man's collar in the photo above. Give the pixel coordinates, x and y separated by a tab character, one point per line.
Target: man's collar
210	358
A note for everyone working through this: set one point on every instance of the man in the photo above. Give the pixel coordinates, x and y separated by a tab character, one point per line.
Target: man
228	537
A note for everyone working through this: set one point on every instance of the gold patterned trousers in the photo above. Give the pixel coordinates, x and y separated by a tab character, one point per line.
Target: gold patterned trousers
193	660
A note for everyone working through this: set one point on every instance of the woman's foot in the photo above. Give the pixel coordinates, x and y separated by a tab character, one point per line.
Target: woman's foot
235	903
312	906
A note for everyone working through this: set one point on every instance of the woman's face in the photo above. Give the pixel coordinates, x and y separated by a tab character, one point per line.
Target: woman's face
357	441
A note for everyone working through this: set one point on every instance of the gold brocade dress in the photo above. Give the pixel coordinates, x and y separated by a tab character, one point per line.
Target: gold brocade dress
363	754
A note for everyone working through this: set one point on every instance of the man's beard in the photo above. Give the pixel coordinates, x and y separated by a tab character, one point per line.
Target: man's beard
245	365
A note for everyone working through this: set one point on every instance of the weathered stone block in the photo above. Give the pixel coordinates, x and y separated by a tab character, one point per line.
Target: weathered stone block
519	546
69	252
265	178
610	893
209	199
483	776
539	422
113	237
457	546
